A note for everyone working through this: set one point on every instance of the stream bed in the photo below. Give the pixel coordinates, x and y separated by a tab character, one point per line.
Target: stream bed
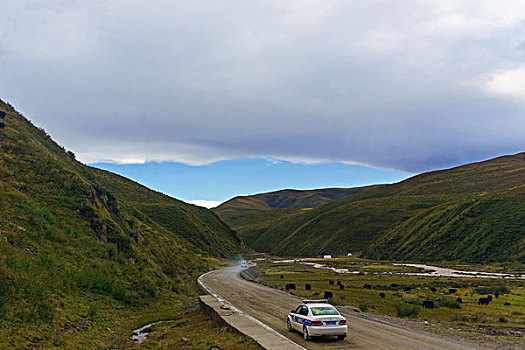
141	334
428	270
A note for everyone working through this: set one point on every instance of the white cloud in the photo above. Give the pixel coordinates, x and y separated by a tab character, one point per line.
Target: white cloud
372	82
510	82
205	203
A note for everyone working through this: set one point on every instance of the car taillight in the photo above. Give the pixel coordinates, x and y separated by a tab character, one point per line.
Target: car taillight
317	323
342	322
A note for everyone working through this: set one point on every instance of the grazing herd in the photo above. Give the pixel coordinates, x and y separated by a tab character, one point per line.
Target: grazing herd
428	304
290	286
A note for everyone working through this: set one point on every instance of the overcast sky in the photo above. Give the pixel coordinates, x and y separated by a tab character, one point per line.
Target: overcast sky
403	85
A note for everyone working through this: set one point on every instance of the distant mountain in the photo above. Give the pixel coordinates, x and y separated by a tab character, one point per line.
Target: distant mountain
74	239
479	206
305	199
252	215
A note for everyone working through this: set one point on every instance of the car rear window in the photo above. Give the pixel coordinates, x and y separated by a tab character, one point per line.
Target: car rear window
324	310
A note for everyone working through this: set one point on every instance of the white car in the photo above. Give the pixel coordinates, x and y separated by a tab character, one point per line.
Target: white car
243	264
317	318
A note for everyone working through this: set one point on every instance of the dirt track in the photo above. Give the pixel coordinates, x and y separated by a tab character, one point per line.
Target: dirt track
271	306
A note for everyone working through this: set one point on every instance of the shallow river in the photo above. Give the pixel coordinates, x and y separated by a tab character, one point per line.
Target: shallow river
428	270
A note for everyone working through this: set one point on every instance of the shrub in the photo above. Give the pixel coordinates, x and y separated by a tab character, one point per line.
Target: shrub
452	304
462	318
494	289
123	243
92	312
363	307
150	290
407	310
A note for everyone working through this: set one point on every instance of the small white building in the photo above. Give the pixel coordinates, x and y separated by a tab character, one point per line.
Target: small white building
327	257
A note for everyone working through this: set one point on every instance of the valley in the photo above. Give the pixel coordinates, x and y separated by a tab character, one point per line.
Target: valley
474	213
87	255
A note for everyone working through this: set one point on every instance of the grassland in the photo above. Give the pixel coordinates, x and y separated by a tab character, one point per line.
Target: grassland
83	251
404	295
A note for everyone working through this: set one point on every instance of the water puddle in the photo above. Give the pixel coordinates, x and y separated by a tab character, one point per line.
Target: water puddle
429	270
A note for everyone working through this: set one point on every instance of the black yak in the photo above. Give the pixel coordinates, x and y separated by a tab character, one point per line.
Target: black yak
483	301
429	304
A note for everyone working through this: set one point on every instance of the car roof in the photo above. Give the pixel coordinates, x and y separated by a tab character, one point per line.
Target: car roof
318	305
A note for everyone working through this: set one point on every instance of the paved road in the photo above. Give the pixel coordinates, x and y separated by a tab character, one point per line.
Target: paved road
271	306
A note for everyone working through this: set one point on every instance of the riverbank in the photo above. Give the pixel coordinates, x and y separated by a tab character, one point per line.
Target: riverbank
389	290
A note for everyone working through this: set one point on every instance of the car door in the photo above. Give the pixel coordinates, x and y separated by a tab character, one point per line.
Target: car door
296	319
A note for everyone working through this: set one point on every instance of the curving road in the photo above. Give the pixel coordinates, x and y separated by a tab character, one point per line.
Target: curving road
271	306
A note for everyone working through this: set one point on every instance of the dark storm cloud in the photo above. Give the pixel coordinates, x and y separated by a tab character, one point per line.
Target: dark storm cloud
406	85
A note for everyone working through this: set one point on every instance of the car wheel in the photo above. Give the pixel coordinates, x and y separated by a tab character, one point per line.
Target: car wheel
289	325
306	336
341	337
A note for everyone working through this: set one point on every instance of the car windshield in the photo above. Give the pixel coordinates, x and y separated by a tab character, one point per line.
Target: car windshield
324	310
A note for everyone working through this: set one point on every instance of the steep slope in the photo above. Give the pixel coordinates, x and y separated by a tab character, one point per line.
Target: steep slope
207	234
76	241
248	205
353	222
485	227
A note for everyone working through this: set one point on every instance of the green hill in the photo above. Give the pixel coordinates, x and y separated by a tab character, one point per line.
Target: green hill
82	250
252	216
359	221
486	227
248	205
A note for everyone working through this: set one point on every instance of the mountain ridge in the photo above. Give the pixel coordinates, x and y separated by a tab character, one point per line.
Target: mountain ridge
286	198
354	222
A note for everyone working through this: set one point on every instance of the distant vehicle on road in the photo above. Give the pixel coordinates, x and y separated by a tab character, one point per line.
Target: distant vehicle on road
317	318
243	264
327	257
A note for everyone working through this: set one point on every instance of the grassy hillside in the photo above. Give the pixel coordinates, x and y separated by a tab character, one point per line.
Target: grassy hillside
84	253
207	234
248	205
485	227
354	222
